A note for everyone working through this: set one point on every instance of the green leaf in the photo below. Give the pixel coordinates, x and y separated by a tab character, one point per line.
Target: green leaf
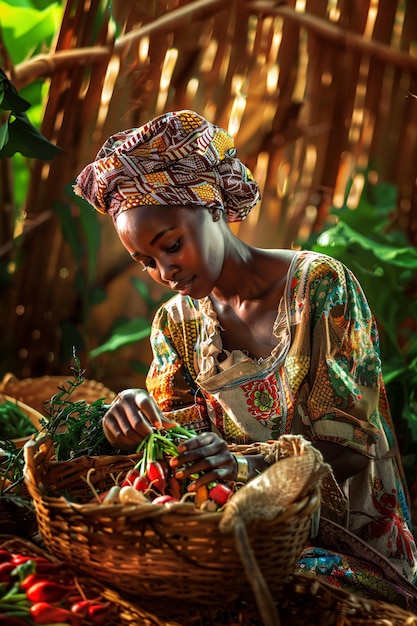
26	30
343	235
26	139
146	294
143	289
10	99
126	334
4	135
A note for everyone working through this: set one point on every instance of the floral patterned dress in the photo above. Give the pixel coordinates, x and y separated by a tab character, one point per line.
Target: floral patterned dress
322	380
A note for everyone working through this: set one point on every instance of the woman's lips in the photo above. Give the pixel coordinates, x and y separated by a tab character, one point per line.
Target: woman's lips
181	285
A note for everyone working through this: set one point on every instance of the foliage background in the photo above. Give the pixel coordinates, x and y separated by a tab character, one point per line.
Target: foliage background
321	98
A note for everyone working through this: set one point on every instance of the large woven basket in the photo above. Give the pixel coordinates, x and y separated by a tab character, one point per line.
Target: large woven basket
303	601
122	612
155	551
35	392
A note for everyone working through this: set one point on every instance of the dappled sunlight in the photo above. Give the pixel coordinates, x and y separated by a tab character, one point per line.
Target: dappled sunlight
310	105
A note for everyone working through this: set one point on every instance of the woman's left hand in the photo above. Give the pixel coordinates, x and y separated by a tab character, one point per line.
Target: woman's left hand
206	453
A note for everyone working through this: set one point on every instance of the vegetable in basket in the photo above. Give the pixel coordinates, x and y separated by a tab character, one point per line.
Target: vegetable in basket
154	480
14	423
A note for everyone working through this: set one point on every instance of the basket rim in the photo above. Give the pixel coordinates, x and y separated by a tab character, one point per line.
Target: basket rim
141	511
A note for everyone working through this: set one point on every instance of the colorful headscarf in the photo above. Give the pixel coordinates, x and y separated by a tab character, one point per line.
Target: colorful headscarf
178	158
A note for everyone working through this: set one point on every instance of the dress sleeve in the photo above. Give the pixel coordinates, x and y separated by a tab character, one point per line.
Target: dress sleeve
339	399
170	380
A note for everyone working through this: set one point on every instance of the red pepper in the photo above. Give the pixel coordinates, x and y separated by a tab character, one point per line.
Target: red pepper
98	613
220	493
18	559
29	580
141	483
93	610
130	478
5	555
158	472
45	613
23	558
47	591
165	499
6	569
80	607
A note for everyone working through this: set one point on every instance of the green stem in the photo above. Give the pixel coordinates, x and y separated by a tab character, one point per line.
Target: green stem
18	608
13	595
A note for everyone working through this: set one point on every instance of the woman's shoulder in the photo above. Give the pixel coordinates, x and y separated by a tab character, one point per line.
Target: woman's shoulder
317	265
305	259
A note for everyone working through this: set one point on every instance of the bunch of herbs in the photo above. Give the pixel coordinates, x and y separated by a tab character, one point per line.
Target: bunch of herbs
76	426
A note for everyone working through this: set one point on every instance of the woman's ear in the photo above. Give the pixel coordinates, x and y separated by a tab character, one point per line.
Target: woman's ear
216	214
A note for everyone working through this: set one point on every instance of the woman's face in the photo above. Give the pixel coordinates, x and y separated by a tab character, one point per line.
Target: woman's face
180	247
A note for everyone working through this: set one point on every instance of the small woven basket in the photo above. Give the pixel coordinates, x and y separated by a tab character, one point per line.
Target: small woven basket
35	392
307	600
34	416
144	550
122	612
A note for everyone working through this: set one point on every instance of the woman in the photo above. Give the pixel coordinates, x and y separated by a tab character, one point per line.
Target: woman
256	343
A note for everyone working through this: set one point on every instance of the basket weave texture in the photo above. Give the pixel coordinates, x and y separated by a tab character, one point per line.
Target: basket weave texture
304	601
309	601
122	612
35	392
149	551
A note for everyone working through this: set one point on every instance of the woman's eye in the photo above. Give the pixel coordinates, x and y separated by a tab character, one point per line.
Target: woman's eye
175	247
148	266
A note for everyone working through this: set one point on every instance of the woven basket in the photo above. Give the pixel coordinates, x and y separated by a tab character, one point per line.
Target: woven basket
122	613
35	392
34	416
155	551
306	600
17	514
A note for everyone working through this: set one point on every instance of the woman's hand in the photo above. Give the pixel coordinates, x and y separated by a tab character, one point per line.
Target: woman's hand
206	453
130	418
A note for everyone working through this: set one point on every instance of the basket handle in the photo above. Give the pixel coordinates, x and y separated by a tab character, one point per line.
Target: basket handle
266	605
8	377
35	451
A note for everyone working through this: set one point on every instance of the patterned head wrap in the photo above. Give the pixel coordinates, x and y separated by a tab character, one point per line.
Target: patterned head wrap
175	159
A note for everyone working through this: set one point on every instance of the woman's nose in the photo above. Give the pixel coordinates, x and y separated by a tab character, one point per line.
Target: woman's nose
167	270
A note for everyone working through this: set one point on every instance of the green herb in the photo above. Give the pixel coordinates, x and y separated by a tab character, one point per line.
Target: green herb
76	427
14	422
11	467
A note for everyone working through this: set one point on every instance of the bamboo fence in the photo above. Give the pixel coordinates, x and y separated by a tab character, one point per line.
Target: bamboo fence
314	91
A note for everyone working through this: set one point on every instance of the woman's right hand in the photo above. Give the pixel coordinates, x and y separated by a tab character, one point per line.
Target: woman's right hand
130	417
